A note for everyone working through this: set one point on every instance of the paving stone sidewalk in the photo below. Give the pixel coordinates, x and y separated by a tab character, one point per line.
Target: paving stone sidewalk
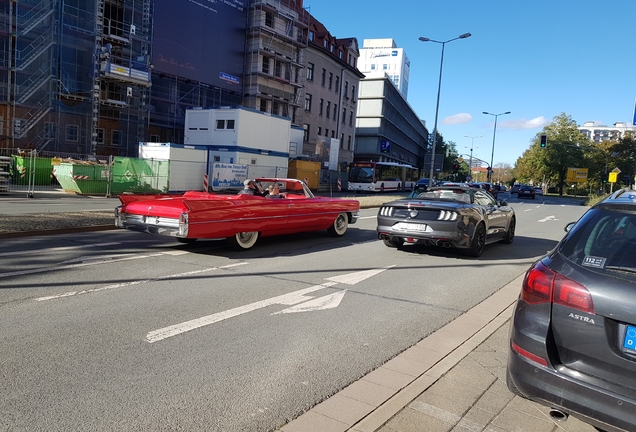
473	397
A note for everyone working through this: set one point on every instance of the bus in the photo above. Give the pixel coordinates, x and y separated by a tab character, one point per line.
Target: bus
381	177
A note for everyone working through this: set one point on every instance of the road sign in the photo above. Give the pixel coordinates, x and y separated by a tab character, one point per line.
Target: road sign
460	159
613	177
616	170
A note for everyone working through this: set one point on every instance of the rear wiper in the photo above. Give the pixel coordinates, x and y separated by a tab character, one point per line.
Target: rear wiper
625	269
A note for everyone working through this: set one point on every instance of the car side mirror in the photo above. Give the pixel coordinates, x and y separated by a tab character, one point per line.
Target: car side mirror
569	226
503	203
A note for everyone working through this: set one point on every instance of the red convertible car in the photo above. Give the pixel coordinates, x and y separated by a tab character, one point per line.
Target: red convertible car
240	218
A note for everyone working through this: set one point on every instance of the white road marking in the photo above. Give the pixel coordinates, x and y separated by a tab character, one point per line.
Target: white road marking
137	282
321	303
285	299
166	332
548	219
56	249
367	217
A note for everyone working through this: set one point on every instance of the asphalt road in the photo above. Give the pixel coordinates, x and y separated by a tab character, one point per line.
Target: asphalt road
121	331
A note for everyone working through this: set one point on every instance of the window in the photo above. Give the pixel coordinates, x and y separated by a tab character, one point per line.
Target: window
72	133
333	133
269	19
324	77
351	118
341	140
49	130
220	124
307	102
349	142
344	116
319	131
326	132
328	109
331	48
372	67
100	136
263	105
385	66
310	71
155	138
330	80
340	55
229	124
276	107
337	84
335	111
346	90
115	138
312	35
353	93
324	43
322	102
305	132
265	66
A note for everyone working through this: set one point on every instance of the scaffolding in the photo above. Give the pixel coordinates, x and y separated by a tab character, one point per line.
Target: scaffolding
75	75
274	76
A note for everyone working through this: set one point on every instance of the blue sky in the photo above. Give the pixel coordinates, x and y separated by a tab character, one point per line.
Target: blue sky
535	59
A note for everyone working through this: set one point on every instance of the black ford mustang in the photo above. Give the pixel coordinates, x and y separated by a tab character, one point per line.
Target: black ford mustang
447	216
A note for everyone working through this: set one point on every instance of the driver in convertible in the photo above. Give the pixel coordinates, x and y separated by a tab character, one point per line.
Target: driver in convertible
250	188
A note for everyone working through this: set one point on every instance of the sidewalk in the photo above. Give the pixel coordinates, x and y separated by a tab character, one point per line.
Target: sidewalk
453	380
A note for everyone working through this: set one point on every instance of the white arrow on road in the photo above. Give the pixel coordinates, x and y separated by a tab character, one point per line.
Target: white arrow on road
292	298
548	219
321	303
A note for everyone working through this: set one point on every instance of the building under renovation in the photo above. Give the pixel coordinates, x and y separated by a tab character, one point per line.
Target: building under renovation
96	77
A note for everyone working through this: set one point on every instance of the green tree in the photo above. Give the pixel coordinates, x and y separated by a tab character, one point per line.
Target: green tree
566	149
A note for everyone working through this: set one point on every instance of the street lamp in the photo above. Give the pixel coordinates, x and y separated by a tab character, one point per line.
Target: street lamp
439	88
492	154
472	143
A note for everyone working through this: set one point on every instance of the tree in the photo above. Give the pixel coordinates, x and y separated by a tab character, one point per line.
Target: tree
565	149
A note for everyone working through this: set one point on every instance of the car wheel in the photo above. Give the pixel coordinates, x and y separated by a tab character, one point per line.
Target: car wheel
186	240
395	243
339	226
510	235
243	240
479	242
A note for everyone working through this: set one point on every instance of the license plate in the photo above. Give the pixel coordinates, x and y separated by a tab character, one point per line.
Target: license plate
630	338
407	226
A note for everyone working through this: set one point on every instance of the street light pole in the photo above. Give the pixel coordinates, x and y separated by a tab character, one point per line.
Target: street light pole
439	89
472	143
492	154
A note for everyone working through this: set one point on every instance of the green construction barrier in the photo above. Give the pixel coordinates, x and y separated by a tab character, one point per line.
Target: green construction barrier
140	175
89	179
23	170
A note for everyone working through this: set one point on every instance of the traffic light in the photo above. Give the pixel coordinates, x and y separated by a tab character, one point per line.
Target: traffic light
456	168
543	142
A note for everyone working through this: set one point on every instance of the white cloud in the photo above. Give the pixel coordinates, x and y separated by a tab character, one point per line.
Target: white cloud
535	123
460	118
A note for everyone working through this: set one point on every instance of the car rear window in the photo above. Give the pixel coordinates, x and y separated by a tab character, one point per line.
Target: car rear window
604	241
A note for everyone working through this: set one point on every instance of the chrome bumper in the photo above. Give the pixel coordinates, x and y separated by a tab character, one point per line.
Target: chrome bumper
174	227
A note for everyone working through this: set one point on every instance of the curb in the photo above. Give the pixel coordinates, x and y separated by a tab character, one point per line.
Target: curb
19	234
405	377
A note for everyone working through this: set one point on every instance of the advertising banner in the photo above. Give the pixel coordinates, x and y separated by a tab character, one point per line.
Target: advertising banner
228	176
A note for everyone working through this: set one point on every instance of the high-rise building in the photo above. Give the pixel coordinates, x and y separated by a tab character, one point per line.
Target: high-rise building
382	57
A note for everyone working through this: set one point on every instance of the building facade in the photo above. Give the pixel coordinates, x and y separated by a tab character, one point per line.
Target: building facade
599	132
382	57
331	94
387	128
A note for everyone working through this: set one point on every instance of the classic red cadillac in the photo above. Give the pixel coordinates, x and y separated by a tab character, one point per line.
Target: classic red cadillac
240	218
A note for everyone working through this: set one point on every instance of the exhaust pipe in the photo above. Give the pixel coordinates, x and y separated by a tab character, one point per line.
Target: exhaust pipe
444	244
558	415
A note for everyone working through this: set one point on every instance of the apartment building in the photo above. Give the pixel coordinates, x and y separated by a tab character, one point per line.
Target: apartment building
331	94
600	132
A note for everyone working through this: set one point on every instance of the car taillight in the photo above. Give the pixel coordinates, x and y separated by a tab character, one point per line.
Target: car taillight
537	284
572	294
542	285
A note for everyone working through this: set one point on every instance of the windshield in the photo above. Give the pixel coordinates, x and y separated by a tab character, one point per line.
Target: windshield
603	241
361	174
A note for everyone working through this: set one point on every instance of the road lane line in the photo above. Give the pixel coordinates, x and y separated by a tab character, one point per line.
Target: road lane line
137	282
166	332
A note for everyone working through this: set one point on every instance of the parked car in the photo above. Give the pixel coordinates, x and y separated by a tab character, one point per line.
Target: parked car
538	190
526	191
242	218
447	216
573	332
515	188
